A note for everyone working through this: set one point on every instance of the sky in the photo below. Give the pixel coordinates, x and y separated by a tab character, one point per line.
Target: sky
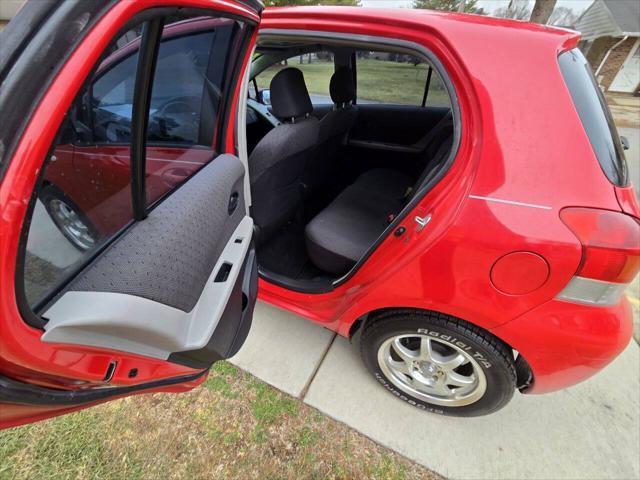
578	6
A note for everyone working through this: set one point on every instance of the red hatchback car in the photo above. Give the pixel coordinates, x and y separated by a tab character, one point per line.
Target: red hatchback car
449	190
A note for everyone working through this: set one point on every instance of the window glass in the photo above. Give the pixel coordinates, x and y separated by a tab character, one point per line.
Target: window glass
317	68
85	195
398	79
176	99
595	115
193	62
438	95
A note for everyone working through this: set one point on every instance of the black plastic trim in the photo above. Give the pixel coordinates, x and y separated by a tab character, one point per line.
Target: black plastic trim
302	286
234	325
149	46
19	393
227	102
426	87
524	375
255	5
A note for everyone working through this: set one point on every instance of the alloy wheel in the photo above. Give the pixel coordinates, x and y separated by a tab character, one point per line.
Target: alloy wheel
432	370
70	223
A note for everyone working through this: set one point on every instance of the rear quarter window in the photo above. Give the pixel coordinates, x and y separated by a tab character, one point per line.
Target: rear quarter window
595	115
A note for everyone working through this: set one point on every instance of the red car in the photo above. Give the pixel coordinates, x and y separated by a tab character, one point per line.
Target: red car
448	190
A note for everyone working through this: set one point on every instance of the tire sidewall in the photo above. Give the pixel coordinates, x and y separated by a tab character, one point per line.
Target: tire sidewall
499	374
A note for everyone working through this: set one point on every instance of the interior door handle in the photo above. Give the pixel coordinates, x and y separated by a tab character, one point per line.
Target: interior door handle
233	202
422	222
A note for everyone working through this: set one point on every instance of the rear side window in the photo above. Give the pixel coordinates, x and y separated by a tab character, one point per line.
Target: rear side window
595	115
398	79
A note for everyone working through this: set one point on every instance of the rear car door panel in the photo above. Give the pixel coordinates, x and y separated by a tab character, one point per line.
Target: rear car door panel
165	290
171	300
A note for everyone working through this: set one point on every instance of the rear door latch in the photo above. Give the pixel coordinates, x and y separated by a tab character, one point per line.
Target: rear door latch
422	222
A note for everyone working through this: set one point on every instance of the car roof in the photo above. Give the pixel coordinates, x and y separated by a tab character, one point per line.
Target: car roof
462	25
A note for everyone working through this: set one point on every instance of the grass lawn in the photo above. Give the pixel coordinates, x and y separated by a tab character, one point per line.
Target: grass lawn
378	81
233	426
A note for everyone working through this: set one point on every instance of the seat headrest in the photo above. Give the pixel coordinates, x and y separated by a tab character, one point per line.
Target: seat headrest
289	95
341	86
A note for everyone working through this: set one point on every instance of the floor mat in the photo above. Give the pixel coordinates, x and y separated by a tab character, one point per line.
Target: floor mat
286	254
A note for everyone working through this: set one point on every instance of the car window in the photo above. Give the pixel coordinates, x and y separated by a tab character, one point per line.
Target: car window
83	200
176	98
398	79
595	115
317	68
85	197
189	78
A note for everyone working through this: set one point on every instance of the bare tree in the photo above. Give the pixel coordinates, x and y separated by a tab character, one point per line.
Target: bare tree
563	16
468	6
517	10
542	10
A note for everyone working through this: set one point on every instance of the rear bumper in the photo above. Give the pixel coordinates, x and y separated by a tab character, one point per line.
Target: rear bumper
566	343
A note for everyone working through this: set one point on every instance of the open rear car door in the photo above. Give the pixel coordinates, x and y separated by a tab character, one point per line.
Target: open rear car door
126	256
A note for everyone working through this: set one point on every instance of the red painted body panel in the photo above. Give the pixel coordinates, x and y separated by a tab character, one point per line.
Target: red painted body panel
566	343
628	201
12	415
521	141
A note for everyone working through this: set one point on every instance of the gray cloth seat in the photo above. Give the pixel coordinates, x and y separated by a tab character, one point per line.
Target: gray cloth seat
278	161
391	183
342	233
334	128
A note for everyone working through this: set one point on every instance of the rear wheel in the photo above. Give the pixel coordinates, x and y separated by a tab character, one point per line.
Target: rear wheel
69	219
439	363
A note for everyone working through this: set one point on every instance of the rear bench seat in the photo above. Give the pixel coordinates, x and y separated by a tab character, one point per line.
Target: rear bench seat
341	234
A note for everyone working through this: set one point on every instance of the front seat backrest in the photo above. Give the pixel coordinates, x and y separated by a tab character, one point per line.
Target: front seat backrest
278	161
334	127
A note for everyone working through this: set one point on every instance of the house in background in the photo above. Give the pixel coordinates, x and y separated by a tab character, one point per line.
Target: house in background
8	9
611	42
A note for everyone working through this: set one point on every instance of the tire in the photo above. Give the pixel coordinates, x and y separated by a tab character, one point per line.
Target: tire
438	363
76	227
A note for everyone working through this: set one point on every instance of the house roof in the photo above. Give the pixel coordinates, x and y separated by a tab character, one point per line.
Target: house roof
626	14
615	18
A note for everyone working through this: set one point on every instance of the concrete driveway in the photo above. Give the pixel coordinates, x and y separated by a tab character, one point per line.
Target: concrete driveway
591	431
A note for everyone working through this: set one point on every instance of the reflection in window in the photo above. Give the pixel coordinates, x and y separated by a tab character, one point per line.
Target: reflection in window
85	194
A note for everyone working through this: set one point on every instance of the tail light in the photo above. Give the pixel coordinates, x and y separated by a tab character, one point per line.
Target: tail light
610	255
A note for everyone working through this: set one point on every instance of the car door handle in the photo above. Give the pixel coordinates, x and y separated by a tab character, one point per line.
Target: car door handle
422	222
233	202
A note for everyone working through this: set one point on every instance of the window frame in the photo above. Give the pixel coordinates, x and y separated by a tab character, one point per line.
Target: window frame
31	313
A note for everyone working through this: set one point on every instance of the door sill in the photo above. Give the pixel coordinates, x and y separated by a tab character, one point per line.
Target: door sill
318	286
